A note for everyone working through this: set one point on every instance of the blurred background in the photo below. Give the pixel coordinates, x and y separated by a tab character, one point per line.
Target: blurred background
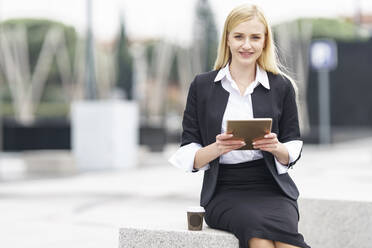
92	95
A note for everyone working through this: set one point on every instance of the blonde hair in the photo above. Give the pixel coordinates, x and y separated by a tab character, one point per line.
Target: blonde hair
268	60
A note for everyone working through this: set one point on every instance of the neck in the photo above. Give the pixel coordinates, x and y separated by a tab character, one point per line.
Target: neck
243	74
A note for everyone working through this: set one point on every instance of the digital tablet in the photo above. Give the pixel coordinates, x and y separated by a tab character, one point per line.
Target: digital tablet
249	130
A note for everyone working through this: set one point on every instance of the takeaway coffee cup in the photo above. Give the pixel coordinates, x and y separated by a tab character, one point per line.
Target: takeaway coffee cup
195	217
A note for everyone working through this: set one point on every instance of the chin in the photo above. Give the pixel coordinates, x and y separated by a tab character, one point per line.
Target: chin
247	62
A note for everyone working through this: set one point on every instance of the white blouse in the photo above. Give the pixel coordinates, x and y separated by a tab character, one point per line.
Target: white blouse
239	107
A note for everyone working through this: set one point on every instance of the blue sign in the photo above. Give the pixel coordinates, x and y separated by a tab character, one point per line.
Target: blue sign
323	54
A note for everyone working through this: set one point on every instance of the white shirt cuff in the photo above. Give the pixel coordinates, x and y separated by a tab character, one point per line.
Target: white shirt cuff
294	149
184	157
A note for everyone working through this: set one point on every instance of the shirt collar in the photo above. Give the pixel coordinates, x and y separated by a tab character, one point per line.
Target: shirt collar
261	75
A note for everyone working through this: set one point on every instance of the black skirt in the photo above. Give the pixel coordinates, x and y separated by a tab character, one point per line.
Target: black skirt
249	203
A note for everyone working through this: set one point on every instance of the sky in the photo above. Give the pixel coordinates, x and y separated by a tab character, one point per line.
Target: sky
170	19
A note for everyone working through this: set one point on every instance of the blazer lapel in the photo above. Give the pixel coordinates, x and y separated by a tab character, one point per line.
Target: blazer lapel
216	105
261	102
262	108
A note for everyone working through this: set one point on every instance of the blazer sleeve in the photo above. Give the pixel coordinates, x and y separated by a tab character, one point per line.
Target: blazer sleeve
288	124
190	124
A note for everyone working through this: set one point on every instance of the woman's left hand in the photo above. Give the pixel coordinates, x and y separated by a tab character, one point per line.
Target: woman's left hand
269	143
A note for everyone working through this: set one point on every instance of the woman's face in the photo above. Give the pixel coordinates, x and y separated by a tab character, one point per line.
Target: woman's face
246	42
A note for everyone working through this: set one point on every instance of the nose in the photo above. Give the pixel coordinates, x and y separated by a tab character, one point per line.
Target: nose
247	43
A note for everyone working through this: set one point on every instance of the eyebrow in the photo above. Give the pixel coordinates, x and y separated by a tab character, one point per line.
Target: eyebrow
251	34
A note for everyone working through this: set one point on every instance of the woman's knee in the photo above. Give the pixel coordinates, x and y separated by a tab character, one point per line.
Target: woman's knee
284	245
260	243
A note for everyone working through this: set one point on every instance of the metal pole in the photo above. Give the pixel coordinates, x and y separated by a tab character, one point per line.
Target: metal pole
1	105
90	82
324	108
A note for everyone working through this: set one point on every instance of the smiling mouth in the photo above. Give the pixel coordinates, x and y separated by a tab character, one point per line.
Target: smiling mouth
246	54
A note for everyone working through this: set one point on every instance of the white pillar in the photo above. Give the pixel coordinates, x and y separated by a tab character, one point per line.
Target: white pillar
105	134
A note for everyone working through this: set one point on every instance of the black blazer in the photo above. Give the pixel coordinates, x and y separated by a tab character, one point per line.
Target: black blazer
202	120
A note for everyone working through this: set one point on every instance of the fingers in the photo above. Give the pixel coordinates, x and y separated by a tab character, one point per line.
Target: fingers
265	142
224	136
226	140
266	147
270	135
270	138
225	143
268	143
230	142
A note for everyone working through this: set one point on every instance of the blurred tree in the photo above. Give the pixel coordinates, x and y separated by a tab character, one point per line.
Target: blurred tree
334	28
174	74
124	63
338	29
36	32
150	50
205	38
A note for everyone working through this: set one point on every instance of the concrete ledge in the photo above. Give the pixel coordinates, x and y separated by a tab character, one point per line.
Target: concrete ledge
324	224
334	223
135	237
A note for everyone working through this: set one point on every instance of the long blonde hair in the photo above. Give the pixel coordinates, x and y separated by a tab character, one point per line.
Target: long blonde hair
268	60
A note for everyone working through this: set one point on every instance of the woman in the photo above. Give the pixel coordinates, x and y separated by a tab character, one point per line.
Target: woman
246	192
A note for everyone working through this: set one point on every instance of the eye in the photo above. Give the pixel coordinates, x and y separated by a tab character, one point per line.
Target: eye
238	36
256	37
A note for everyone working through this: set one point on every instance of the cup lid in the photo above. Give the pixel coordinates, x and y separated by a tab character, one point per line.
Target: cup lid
197	209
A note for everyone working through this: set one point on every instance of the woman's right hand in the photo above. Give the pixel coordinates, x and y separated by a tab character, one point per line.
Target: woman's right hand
225	143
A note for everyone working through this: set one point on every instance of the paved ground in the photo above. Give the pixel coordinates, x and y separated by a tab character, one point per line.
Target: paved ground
87	209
